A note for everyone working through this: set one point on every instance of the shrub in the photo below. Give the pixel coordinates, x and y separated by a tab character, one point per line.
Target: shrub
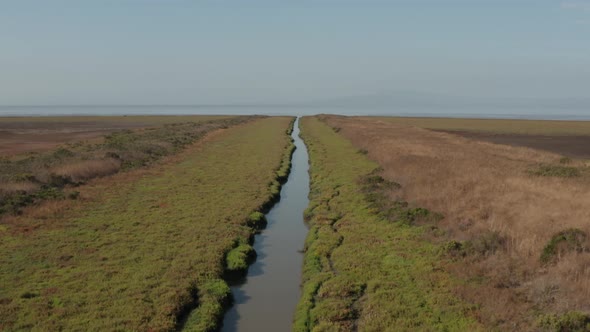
14	202
48	192
29	295
7	188
59	180
565	160
453	248
85	170
485	244
240	257
570	321
413	215
112	155
217	289
556	171
256	220
62	153
24	177
569	240
373	182
308	213
74	195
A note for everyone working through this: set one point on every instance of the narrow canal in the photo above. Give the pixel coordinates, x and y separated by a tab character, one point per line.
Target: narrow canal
267	298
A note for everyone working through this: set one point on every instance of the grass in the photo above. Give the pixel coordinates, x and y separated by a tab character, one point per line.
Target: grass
361	270
76	163
498	219
507	126
144	250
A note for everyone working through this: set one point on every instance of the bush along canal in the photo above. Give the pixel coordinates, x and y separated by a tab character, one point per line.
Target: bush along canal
266	298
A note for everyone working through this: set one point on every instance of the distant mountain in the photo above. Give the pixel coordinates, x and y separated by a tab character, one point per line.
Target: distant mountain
416	100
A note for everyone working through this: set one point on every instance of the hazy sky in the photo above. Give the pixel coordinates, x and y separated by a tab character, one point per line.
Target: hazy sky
194	52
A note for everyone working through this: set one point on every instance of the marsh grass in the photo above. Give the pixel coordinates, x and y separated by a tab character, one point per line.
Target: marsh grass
499	219
144	250
361	270
77	163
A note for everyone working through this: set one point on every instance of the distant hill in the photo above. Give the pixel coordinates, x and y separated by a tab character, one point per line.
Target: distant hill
416	100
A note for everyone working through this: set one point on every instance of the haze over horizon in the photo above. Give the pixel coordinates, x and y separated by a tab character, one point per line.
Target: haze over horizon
142	52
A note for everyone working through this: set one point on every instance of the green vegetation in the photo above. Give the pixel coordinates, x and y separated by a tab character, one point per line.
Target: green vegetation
257	220
214	297
144	250
556	171
240	257
36	177
376	189
568	322
484	244
569	240
565	160
512	126
363	268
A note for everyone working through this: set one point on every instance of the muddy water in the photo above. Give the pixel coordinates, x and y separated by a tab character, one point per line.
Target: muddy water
266	299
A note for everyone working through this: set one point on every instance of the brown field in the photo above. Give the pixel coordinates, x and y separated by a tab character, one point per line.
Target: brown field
504	126
36	134
569	146
492	201
568	138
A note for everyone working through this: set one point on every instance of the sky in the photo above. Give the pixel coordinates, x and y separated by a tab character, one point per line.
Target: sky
106	52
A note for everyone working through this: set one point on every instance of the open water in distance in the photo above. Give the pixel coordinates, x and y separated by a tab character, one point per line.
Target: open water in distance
492	113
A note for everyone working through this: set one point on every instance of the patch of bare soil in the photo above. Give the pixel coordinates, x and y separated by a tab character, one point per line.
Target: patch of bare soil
569	146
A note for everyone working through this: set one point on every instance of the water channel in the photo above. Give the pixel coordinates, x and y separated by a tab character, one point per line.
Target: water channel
266	299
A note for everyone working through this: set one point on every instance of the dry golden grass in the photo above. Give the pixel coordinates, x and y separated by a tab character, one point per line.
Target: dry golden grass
482	187
88	169
14	187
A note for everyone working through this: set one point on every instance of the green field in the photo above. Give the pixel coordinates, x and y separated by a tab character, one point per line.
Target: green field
527	127
139	250
363	269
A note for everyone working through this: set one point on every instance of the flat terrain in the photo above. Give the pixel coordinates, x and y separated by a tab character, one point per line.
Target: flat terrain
28	178
569	146
496	126
36	134
142	249
514	220
363	270
568	138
